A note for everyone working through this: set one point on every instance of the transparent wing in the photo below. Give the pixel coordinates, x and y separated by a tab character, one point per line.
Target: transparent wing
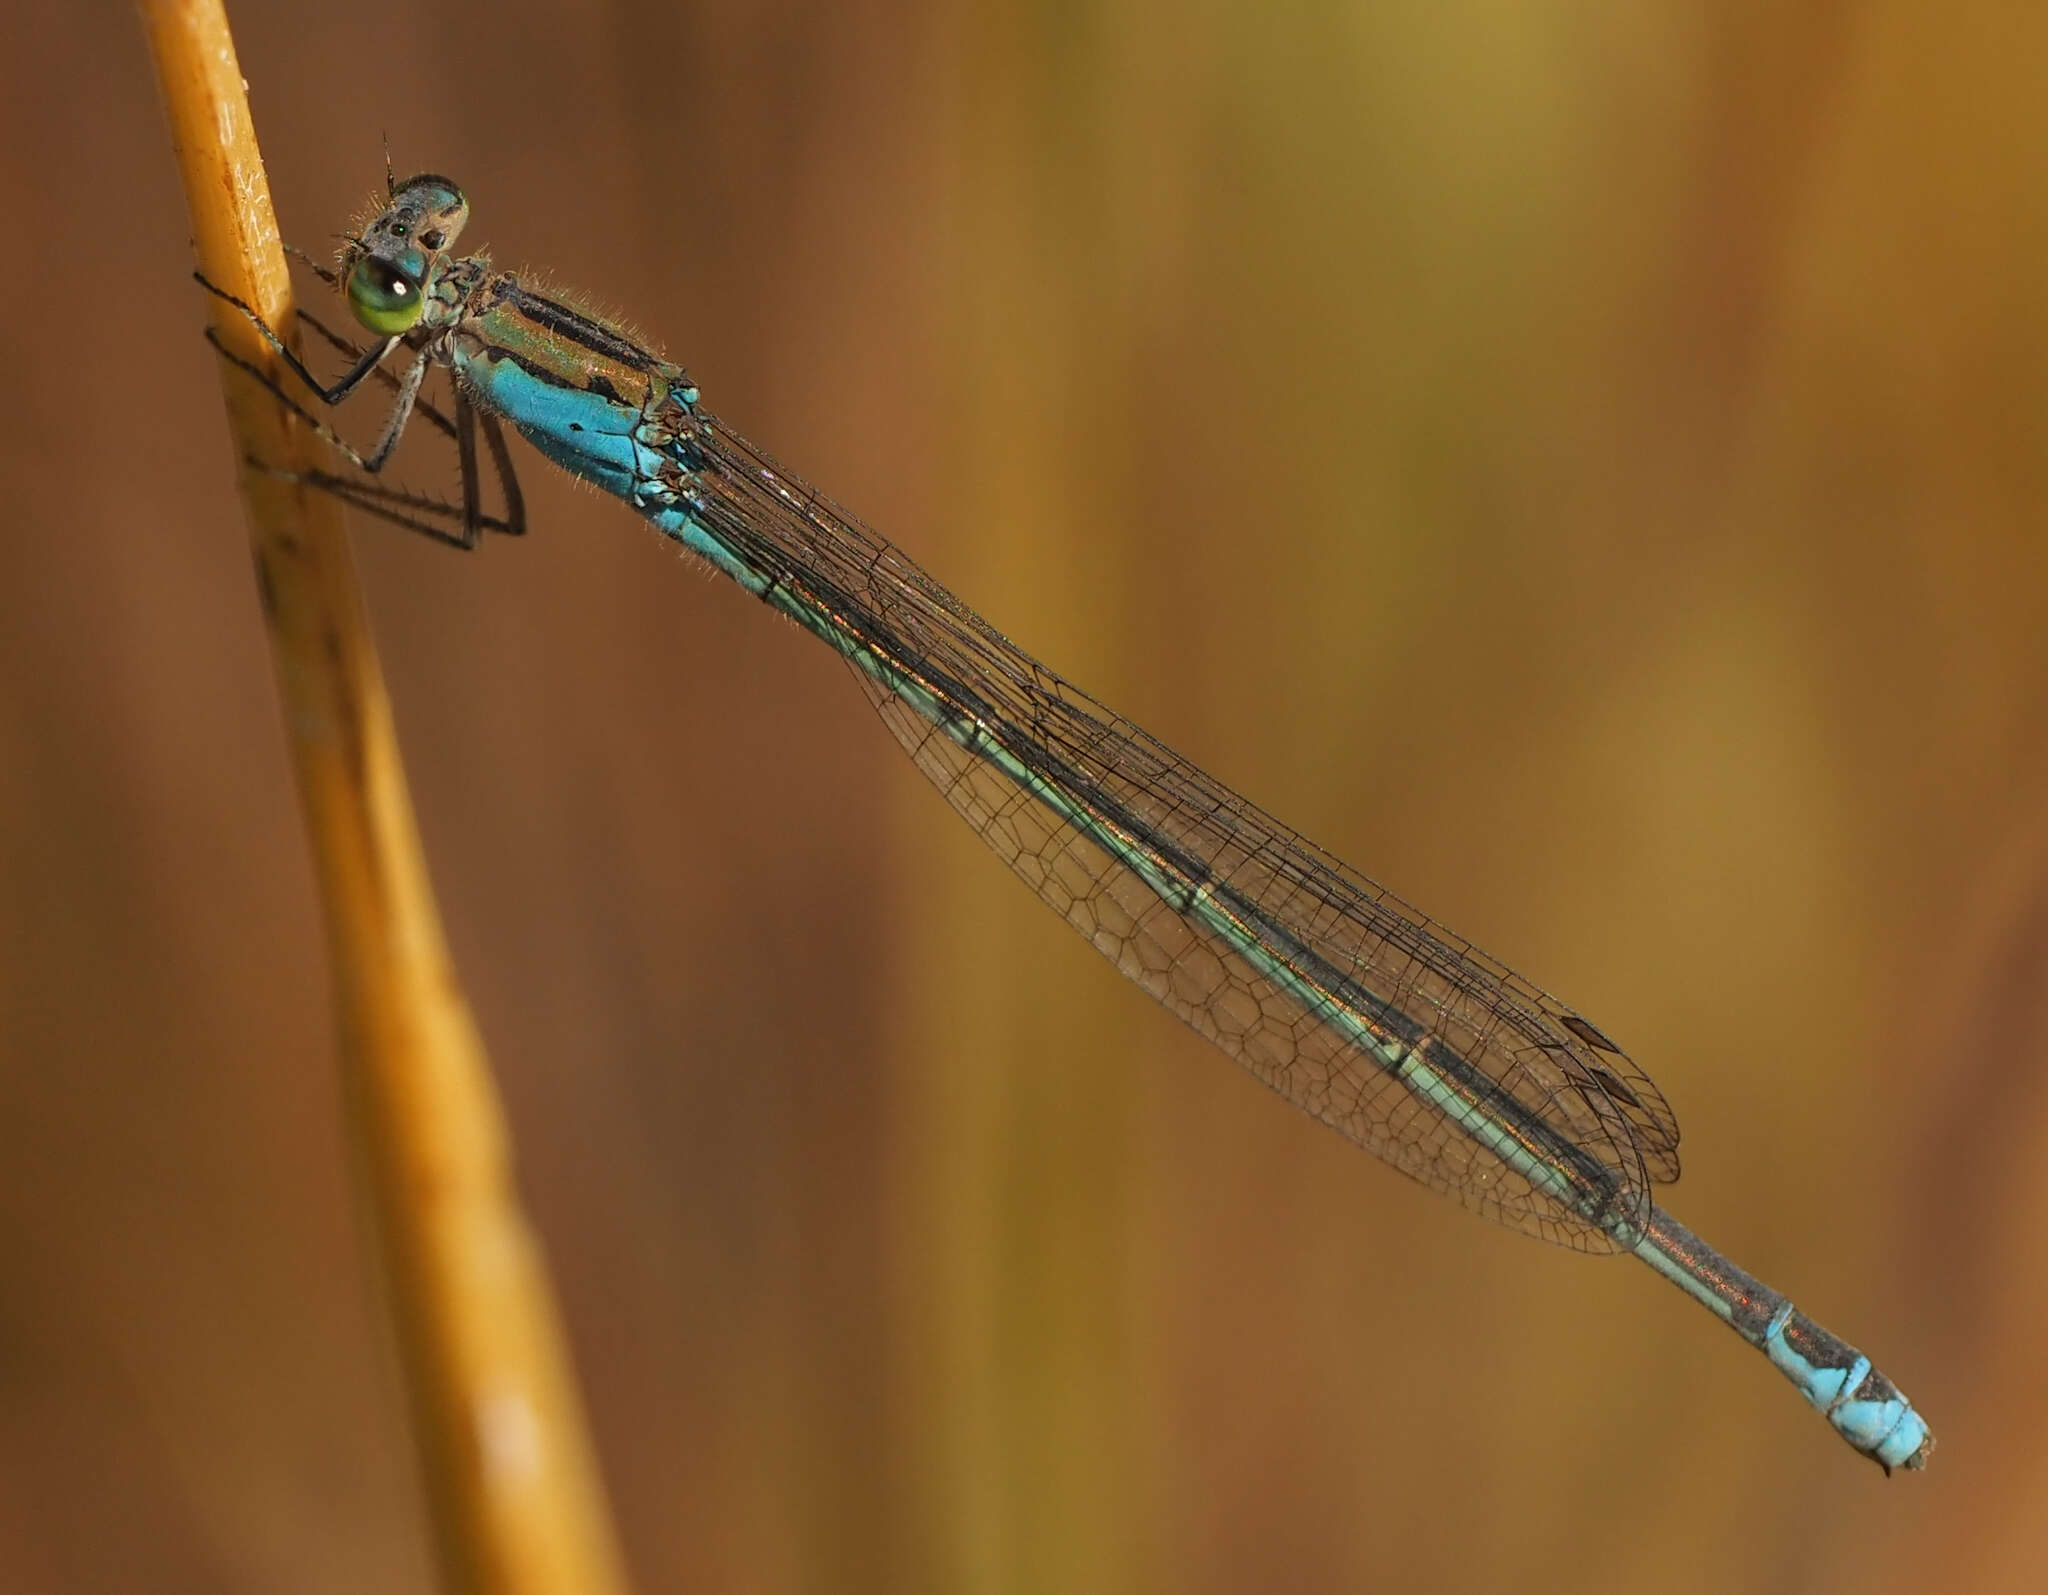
1317	980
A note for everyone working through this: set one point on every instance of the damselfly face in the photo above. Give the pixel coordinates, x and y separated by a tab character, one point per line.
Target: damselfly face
387	269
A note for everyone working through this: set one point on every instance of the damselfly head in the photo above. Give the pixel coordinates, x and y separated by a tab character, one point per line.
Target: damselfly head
390	264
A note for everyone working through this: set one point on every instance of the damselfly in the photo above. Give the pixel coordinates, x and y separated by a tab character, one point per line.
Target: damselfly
1353	1006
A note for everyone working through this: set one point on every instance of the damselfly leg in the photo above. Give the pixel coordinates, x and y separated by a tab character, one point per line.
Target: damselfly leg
415	511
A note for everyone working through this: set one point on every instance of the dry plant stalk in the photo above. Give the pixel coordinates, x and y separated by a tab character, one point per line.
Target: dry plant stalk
510	1473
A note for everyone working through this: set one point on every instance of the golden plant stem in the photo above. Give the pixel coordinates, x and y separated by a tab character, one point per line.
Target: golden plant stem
511	1477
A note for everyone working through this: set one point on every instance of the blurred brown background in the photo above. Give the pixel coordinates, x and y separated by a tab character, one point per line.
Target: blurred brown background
1587	465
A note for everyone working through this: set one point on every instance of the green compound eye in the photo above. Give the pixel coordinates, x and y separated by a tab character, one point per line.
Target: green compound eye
384	299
